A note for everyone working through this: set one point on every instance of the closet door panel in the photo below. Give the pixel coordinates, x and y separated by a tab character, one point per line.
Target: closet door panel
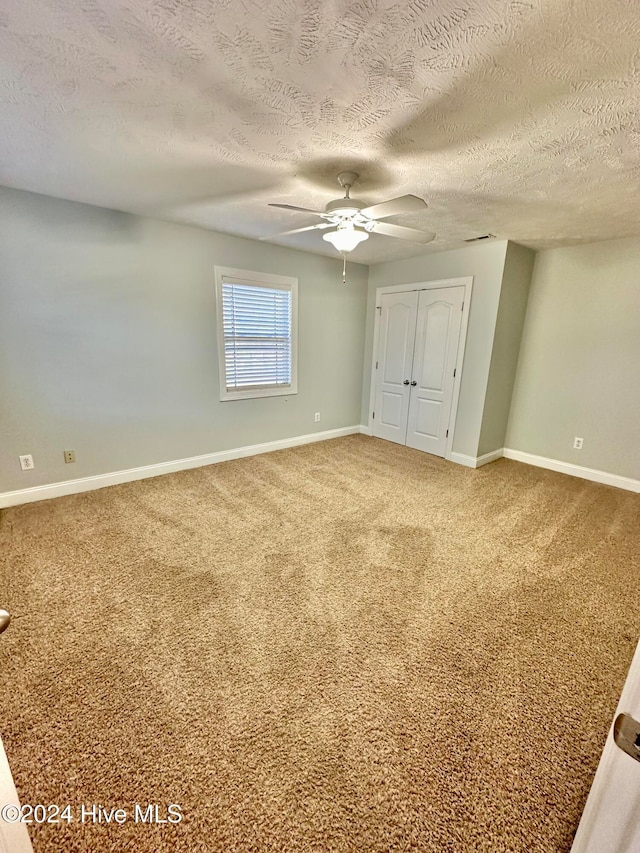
439	318
394	364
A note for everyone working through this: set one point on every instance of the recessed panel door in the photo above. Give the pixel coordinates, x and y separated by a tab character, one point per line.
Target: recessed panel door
436	348
395	357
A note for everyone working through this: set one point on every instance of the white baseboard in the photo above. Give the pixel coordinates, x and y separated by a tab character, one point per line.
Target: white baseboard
99	481
551	464
489	457
574	470
475	461
461	459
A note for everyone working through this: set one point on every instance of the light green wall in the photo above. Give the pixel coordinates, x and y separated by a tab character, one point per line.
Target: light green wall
108	344
579	367
516	279
485	262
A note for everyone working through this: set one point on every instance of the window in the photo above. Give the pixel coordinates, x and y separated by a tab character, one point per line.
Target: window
257	319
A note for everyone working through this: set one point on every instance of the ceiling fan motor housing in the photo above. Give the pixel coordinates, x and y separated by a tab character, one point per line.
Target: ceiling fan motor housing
345	207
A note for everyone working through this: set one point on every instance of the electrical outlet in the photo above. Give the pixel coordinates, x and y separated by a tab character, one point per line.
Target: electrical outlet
577	443
69	456
26	462
317	418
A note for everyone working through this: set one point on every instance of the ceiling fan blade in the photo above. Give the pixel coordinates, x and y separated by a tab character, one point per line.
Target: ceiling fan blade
402	204
298	230
303	209
390	230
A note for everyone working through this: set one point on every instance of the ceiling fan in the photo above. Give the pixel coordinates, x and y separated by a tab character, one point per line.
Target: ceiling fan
355	220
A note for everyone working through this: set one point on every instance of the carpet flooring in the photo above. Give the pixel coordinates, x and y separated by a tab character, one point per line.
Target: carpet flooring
345	646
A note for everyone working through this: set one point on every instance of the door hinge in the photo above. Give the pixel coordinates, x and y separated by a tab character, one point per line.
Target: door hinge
454	372
447	435
373	416
462	309
379	308
376	365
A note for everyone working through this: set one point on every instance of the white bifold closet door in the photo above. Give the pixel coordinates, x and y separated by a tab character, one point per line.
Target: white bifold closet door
396	338
418	341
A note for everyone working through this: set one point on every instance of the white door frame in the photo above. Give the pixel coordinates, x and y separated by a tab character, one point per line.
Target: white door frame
467	283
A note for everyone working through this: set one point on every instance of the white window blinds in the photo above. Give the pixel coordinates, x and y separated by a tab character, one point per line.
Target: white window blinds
257	335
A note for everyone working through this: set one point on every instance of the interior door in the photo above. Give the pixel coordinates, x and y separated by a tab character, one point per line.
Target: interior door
436	350
395	358
611	819
14	837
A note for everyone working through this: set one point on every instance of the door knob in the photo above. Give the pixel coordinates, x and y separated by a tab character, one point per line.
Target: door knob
406	382
414	382
5	618
626	734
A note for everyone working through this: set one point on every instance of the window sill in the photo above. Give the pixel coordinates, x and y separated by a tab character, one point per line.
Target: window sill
251	393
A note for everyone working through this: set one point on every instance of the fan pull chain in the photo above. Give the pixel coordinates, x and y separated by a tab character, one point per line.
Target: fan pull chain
344	268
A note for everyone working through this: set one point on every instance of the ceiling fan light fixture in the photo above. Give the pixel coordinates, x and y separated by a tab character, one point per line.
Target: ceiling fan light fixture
345	238
354	220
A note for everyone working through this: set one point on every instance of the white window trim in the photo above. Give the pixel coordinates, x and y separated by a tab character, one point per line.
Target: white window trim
256	279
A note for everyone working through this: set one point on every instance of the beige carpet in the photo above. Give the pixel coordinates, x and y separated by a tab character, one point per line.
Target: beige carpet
347	646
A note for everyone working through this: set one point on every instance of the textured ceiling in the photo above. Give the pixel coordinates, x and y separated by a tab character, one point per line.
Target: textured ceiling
515	117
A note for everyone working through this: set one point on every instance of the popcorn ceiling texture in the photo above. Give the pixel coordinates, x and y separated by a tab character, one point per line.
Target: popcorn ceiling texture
346	647
515	117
